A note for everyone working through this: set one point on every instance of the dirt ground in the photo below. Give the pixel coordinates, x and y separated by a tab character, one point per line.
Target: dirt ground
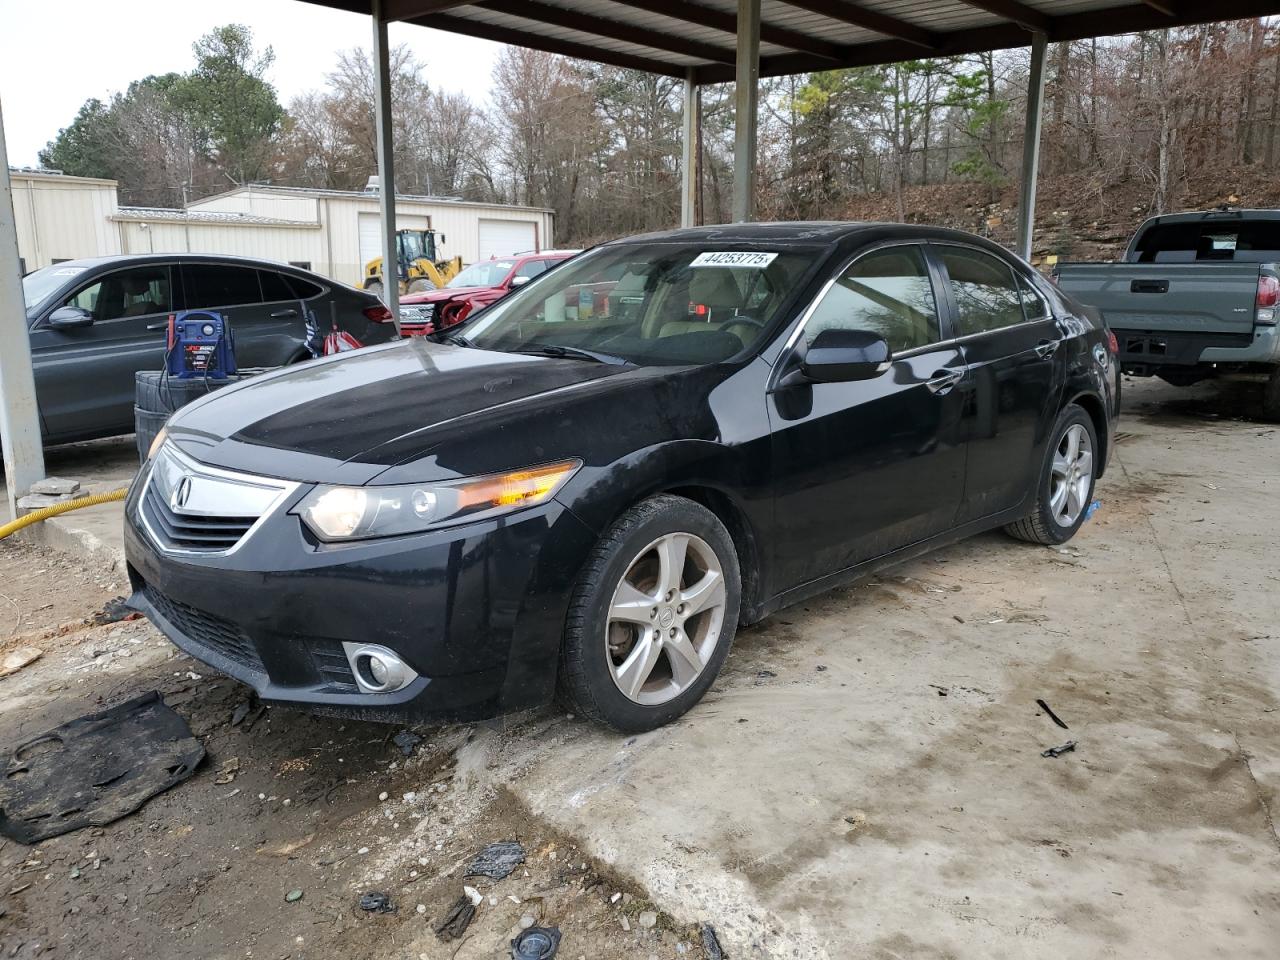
864	780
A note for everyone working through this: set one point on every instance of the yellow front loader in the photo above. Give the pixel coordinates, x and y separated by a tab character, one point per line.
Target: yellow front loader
418	268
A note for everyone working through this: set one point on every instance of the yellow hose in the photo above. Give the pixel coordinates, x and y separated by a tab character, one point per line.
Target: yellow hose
44	513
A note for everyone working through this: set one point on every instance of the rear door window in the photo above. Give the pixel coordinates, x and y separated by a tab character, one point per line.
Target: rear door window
1034	305
302	289
275	287
219	285
986	293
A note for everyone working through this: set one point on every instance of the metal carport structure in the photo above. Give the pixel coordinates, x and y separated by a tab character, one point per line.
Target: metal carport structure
701	42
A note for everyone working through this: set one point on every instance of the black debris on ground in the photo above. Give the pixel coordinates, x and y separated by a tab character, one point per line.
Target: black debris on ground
456	921
113	611
1052	752
95	769
375	902
711	943
496	861
536	943
406	740
1051	715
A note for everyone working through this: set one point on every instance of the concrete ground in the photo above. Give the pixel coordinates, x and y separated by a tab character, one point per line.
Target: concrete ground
866	777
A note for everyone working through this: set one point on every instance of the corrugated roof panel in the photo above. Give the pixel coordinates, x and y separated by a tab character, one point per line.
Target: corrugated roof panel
781	14
536	29
939	16
644	19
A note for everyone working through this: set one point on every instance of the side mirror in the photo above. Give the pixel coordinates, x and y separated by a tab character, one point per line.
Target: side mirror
520	281
840	356
67	318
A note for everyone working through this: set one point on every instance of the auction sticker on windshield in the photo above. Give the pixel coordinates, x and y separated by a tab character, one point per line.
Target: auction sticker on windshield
734	258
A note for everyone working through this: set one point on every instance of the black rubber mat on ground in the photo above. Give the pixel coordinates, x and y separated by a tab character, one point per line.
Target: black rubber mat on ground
95	769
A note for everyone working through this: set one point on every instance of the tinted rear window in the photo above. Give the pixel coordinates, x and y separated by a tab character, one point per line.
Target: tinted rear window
1246	241
275	287
214	285
302	289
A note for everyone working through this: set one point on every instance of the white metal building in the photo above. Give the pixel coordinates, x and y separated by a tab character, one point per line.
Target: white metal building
333	232
63	218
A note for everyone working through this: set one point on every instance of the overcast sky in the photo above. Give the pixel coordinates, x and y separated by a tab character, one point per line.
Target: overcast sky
54	57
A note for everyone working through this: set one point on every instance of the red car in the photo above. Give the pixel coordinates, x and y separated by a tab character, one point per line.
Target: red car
477	286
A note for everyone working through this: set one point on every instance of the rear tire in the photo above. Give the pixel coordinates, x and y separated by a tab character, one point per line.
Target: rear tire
1064	489
1271	396
375	288
652	617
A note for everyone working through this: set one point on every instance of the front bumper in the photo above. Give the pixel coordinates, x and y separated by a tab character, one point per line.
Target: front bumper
476	610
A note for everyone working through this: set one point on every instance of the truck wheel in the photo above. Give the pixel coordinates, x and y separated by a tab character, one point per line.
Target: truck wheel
1065	488
420	286
375	288
1271	396
652	617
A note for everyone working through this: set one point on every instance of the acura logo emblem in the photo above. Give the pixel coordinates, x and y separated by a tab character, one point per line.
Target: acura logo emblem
181	494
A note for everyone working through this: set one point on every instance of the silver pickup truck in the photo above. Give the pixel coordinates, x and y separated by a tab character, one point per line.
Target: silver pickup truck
1196	296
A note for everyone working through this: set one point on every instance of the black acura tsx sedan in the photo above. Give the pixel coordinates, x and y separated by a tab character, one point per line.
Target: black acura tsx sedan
586	489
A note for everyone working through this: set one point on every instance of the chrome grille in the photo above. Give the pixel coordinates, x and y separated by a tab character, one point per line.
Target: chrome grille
192	532
416	318
190	507
206	629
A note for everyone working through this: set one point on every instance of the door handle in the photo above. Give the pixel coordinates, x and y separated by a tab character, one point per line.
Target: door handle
281	314
1047	348
942	383
1149	286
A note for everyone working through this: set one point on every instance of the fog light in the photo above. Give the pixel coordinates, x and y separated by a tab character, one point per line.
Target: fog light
378	669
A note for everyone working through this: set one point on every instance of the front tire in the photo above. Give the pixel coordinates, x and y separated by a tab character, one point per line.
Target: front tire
420	286
1065	486
652	617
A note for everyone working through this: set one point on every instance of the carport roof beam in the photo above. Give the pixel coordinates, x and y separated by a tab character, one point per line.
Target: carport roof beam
797	36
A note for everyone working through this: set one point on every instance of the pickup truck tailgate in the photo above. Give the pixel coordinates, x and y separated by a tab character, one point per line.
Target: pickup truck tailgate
1173	297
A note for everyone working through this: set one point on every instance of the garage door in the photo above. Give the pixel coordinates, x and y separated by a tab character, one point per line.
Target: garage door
371	233
501	238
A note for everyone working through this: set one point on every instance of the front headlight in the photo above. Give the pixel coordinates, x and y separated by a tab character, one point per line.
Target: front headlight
158	442
357	513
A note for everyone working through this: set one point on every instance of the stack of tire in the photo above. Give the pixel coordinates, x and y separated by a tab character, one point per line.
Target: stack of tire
157	395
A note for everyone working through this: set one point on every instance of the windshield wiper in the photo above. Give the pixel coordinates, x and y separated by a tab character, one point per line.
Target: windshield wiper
574	353
457	339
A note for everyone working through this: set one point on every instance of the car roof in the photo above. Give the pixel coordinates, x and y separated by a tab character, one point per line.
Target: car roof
126	259
806	233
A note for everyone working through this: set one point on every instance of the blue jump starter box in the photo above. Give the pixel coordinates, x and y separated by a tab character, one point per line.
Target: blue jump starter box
200	345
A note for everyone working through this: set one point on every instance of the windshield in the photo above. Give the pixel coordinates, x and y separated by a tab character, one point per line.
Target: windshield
486	273
656	303
38	285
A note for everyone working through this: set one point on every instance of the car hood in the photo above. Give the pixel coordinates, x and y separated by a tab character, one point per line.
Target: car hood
443	293
350	417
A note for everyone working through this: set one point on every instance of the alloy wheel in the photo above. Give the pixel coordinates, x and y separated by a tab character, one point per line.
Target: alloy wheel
1071	476
665	619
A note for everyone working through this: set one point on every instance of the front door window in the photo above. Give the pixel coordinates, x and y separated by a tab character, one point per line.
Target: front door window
126	293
